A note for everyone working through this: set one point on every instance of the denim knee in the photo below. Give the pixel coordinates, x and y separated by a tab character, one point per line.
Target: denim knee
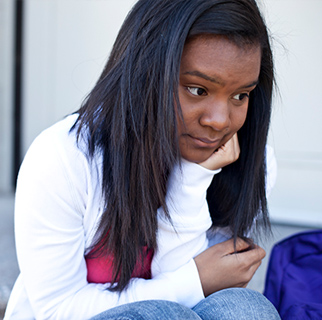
236	303
149	310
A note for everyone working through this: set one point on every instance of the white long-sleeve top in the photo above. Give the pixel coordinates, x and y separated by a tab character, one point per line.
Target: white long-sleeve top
57	210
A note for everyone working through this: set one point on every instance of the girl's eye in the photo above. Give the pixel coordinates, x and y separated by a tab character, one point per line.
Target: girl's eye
241	96
197	91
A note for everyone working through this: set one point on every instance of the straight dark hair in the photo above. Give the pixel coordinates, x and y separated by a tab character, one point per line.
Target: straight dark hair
129	119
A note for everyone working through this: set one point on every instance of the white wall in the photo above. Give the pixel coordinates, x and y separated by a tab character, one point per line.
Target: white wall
67	43
66	46
6	84
296	132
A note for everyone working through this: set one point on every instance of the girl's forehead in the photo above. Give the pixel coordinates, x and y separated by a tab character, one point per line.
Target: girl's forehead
244	44
219	58
219	47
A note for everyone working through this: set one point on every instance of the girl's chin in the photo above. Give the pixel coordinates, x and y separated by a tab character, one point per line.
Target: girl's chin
197	157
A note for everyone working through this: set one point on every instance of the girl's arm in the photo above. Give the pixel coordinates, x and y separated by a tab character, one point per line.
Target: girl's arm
184	237
233	269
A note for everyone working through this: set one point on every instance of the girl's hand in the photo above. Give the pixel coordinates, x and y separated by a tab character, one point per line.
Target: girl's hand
226	154
220	267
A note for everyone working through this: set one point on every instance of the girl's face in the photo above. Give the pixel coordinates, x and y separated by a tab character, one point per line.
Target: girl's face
216	77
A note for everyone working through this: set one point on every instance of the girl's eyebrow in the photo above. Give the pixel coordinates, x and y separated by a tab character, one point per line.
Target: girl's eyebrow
217	80
252	84
205	77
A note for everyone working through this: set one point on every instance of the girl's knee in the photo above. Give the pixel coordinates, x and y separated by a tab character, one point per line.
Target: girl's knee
149	310
236	303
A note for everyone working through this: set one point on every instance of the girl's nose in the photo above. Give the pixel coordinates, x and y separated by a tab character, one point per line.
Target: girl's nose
216	115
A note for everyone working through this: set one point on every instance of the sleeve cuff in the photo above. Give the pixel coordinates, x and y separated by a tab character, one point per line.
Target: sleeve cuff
185	285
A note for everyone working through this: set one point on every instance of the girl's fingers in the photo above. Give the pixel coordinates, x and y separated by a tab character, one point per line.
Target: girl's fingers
225	155
228	246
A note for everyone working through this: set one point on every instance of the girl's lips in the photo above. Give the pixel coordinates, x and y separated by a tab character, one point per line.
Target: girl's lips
204	142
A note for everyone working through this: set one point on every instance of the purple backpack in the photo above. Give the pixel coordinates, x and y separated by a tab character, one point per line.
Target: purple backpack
294	276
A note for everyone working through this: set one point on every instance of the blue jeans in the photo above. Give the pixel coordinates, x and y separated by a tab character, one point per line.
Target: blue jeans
235	303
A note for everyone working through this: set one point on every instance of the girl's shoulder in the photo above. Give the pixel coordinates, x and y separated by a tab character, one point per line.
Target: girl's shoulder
58	144
59	135
57	156
56	170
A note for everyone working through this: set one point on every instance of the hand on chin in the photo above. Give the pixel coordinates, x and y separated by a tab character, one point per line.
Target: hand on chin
223	156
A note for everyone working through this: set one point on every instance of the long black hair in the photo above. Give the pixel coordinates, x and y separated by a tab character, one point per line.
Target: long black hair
130	119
